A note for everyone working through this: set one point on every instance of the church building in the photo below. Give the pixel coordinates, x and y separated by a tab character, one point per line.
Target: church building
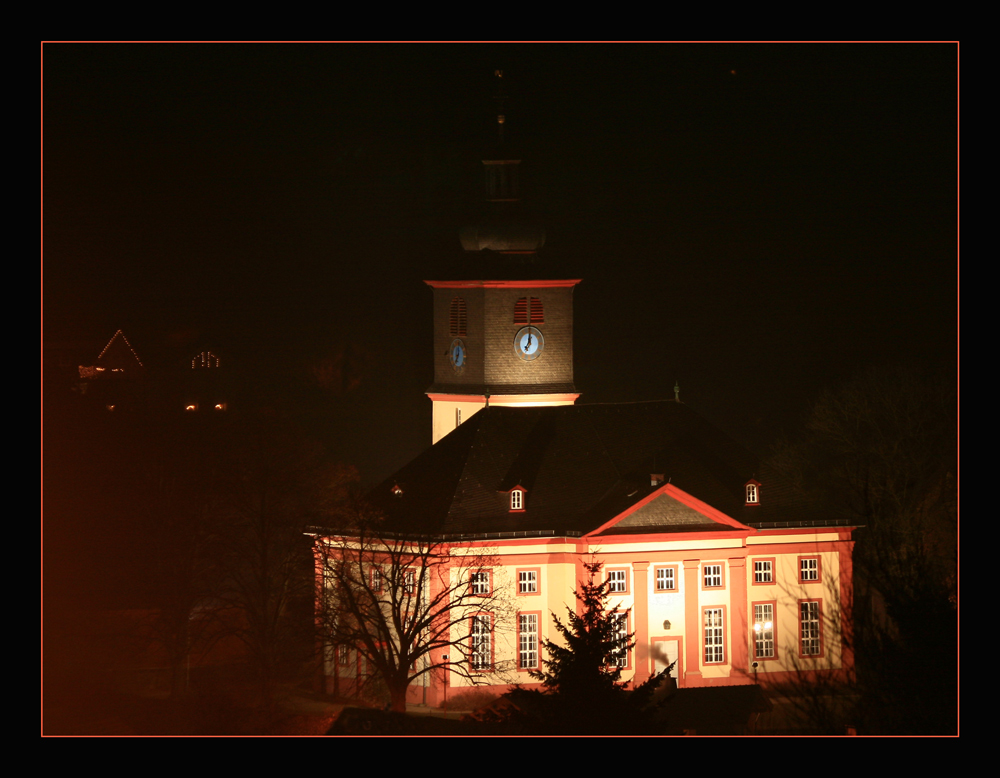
722	572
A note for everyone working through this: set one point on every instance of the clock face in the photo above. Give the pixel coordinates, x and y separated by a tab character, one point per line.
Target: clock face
528	343
457	355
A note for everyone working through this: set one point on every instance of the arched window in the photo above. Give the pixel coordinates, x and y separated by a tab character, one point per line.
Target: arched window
517	499
528	310
457	317
204	359
753	492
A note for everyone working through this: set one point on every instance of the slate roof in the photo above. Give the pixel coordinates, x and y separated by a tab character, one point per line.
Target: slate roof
581	466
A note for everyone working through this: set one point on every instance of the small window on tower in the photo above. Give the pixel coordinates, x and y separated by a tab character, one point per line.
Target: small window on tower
457	319
753	492
517	499
528	310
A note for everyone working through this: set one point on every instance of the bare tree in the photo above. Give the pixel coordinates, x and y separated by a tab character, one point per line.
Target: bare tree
411	605
881	451
272	484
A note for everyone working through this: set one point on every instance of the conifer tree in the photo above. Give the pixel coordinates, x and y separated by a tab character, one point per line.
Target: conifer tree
587	663
582	689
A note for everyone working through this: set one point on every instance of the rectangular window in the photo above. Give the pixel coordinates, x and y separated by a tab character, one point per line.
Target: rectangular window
376	580
666	579
482	649
527	641
343	656
409	583
810	631
713	576
763	629
458	416
618	581
527	581
621	634
808	569
763	571
480	583
715	645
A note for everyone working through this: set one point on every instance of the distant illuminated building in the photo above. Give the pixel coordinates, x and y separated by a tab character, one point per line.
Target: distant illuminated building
118	381
116	378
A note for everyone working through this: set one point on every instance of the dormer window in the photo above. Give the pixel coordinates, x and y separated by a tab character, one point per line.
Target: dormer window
753	492
517	499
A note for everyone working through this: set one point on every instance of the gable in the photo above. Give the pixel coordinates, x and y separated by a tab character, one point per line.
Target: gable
117	360
670	509
662	511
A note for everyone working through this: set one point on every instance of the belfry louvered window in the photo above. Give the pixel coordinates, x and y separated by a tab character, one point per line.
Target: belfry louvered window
528	310
457	316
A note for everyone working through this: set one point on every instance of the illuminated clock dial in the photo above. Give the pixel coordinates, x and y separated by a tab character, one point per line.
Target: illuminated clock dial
457	355
528	343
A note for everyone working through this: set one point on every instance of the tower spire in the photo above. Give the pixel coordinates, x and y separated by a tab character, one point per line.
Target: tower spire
503	224
500	97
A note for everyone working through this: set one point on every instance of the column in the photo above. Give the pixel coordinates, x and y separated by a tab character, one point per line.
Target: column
640	613
738	617
692	623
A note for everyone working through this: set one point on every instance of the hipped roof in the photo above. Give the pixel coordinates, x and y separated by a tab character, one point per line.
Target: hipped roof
582	466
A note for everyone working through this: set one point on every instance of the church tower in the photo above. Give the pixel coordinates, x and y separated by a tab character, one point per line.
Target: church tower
503	333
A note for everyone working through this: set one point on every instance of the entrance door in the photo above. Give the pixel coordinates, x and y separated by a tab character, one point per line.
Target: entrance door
665	651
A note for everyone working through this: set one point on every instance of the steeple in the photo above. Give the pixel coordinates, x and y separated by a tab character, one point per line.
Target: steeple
503	331
504	226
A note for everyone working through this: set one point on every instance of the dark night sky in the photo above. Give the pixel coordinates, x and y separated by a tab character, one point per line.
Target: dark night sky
755	221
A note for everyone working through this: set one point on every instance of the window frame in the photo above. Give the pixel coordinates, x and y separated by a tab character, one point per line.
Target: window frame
625	581
656	578
537	581
475	585
752	492
517	500
624	662
771	571
721	610
821	646
376	579
773	605
705	586
819	568
409	583
537	642
474	650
